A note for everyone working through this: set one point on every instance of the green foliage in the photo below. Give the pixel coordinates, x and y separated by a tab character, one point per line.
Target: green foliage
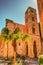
7	35
40	59
8	59
21	57
16	30
17	34
10	36
15	37
5	31
26	37
20	63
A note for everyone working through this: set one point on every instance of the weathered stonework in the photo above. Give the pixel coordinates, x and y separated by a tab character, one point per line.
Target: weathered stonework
31	48
40	9
30	27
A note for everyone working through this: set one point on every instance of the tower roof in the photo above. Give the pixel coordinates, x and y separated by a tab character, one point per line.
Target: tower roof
30	8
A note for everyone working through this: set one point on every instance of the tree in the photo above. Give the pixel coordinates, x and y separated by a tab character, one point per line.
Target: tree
5	31
18	35
26	36
15	37
5	35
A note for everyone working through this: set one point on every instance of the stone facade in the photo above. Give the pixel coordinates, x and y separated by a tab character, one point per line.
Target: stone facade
21	47
31	48
30	27
40	8
12	26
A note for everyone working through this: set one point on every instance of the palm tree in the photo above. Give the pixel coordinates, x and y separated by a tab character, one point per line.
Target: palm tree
8	36
26	36
16	35
5	34
5	31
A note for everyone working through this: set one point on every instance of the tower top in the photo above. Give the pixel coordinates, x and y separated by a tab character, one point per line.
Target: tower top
30	9
30	15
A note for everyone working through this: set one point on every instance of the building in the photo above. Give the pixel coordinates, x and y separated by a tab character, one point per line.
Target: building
30	27
40	9
31	49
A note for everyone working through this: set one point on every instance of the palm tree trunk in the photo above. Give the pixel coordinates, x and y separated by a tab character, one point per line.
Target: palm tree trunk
14	56
14	45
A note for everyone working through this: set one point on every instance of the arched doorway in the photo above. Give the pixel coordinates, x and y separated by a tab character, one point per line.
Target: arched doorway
26	48
35	49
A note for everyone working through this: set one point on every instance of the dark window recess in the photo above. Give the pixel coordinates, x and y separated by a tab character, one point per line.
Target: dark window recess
19	44
35	49
31	10
26	48
32	18
34	43
33	30
42	39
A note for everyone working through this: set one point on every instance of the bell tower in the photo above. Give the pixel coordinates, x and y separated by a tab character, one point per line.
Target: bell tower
33	29
31	21
30	15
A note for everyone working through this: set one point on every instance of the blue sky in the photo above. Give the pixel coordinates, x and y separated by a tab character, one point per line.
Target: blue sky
15	10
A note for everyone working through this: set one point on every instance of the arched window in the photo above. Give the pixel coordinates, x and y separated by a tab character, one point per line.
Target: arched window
34	43
26	48
32	18
19	43
33	30
35	49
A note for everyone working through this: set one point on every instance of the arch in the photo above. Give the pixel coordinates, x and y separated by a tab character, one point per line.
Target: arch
26	48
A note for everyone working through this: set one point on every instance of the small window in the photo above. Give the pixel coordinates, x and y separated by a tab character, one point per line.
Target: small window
42	39
19	44
33	30
32	18
31	10
35	42
35	49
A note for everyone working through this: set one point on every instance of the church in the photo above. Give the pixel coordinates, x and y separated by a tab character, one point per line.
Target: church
31	27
